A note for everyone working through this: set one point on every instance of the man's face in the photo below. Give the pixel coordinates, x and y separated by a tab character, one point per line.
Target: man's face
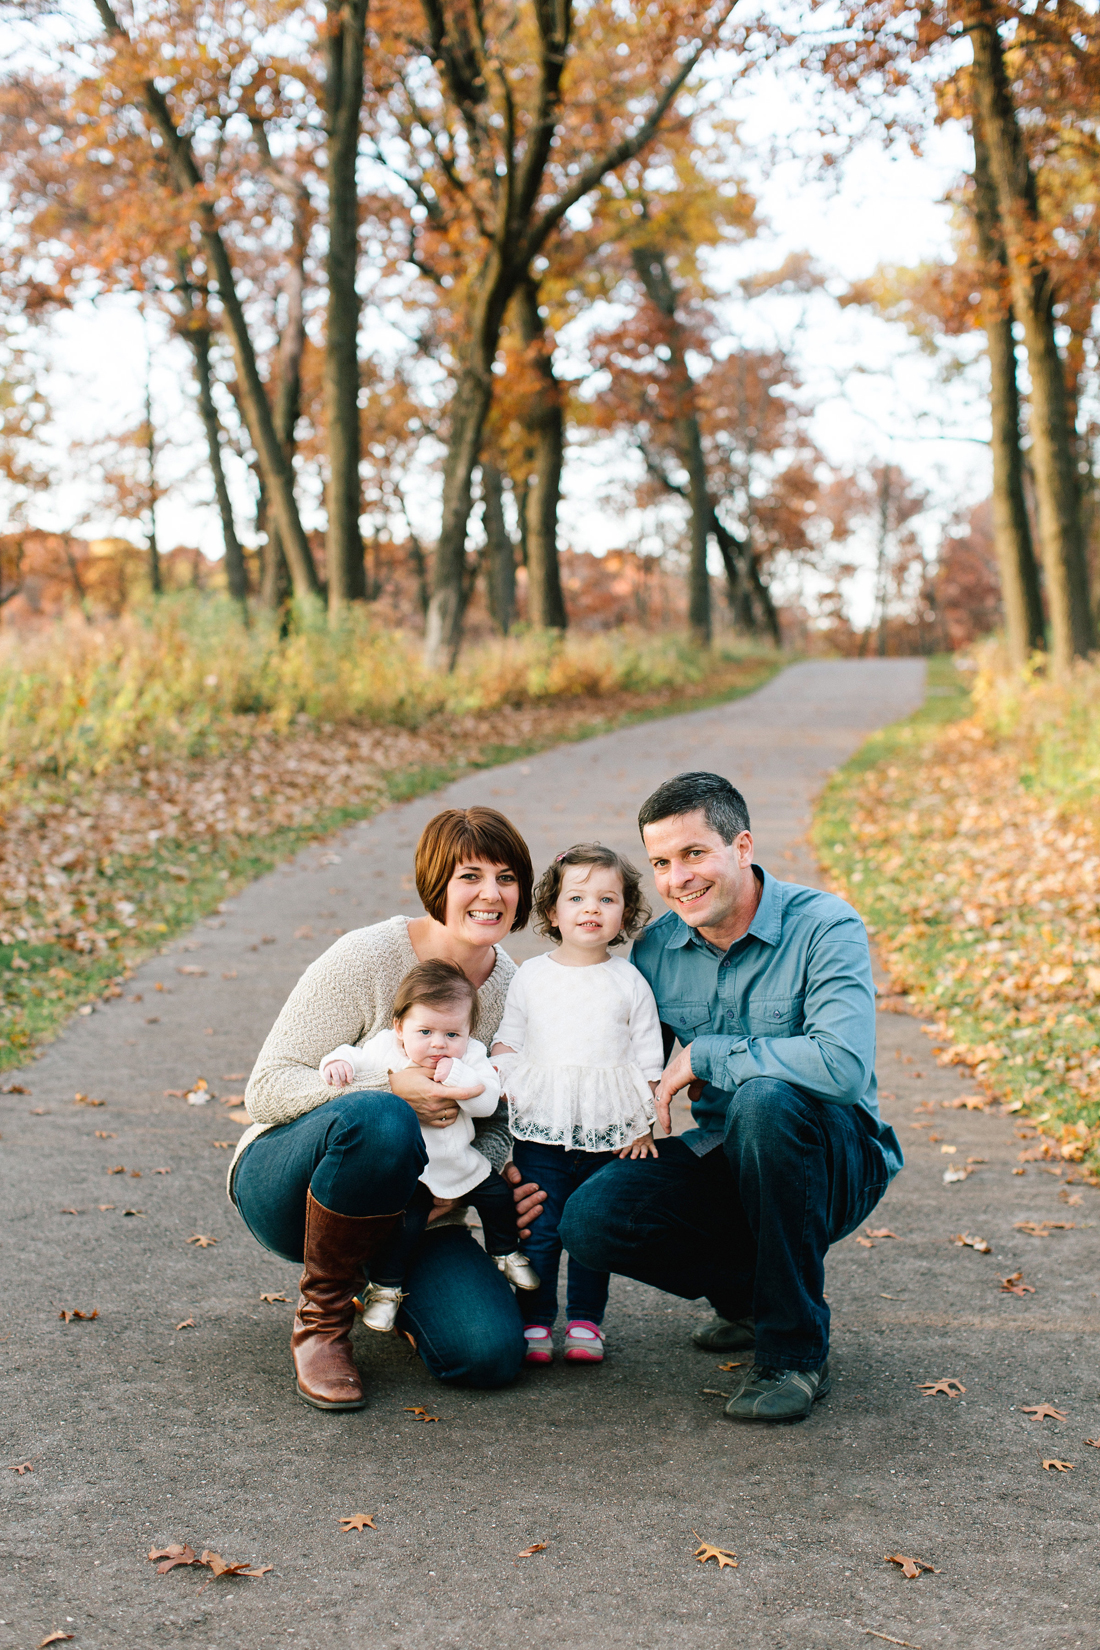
700	877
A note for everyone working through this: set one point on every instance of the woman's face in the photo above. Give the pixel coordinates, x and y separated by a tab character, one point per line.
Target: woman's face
481	901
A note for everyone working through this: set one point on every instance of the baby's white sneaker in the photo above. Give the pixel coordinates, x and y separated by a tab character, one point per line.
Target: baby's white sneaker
381	1305
518	1269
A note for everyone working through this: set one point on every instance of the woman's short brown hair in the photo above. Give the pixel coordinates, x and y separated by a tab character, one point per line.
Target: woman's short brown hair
436	984
459	834
636	913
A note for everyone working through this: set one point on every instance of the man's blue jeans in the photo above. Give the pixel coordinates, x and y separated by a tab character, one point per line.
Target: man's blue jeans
747	1226
363	1154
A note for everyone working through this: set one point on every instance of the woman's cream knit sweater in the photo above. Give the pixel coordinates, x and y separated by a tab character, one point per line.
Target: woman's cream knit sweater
347	996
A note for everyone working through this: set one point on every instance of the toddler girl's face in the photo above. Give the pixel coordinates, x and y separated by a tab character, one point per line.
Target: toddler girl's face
429	1035
590	907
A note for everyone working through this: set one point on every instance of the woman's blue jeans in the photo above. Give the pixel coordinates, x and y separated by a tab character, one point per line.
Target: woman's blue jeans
747	1225
559	1172
363	1154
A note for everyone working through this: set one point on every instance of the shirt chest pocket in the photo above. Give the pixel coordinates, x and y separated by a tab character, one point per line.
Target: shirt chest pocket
775	1017
689	1020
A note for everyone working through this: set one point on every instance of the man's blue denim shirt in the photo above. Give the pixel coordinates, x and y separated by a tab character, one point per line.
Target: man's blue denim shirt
792	999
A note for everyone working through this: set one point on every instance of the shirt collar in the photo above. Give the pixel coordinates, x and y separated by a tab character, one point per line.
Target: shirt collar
767	925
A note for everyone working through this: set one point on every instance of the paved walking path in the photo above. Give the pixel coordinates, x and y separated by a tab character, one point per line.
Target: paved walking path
142	1431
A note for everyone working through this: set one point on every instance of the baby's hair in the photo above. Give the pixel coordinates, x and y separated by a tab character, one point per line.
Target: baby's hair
636	913
435	985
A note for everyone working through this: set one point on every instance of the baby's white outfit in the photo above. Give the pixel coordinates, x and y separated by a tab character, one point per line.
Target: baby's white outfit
588	1041
455	1167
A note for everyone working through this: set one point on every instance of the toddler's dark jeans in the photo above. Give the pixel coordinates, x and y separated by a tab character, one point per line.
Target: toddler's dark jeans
494	1202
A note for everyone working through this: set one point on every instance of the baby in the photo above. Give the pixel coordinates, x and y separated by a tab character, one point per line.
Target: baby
433	1012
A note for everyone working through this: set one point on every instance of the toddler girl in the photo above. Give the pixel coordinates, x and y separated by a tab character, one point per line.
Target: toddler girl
579	1052
432	1015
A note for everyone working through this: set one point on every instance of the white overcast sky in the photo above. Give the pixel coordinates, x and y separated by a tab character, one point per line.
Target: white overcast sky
875	396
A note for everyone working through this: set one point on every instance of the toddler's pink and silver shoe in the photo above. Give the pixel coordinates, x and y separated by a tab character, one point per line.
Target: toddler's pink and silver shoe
540	1345
583	1342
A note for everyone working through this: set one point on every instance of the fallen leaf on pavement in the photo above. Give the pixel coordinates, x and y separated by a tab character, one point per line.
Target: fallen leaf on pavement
14	1088
138	1212
725	1368
952	1176
865	1243
358	1521
1095	1442
1012	1285
216	1563
162	1171
188	1323
910	1567
201	1239
947	1384
232	1099
174	1094
726	1560
1043	1228
53	1638
947	1151
119	1168
103	1207
880	1232
192	968
713	1392
271	1299
166	1558
1072	1198
86	1100
1040	1412
70	1211
25	1466
964	1240
1058	1466
420	1413
972	1102
226	1145
104	1134
67	1317
535	1547
908	1643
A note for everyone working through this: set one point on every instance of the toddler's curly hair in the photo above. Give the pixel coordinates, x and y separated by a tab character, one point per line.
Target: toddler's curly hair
636	913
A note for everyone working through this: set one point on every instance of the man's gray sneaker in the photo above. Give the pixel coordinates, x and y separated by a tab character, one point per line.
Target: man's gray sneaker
720	1335
778	1394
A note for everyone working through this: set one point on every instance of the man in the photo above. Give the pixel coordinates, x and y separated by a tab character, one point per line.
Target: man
768	988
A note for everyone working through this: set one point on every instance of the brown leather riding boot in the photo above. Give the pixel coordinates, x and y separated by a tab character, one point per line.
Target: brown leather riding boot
336	1249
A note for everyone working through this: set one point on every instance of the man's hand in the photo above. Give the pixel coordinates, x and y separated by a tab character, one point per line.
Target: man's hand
433	1104
337	1073
677	1075
443	1206
529	1198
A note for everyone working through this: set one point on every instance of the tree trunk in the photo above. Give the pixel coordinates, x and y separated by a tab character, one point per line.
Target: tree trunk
277	473
546	431
1053	442
882	562
155	581
500	579
652	270
343	102
236	576
1011	529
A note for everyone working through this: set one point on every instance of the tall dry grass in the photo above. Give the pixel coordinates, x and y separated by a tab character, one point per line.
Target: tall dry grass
1052	725
185	678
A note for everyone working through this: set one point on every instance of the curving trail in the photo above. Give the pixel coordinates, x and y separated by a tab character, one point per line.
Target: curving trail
140	1433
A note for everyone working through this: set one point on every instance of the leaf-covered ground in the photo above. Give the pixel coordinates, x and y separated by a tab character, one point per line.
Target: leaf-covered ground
96	870
983	895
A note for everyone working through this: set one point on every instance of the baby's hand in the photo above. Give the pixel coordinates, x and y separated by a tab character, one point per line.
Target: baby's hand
337	1073
443	1069
644	1146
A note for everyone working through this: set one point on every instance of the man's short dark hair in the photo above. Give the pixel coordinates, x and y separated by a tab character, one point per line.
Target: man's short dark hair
722	806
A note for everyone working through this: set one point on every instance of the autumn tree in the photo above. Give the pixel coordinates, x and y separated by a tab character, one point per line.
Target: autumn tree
499	120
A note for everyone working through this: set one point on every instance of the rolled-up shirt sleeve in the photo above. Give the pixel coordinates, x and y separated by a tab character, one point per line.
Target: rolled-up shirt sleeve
833	1056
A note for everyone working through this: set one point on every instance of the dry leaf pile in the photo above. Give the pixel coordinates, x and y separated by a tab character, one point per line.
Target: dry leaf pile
982	886
179	1555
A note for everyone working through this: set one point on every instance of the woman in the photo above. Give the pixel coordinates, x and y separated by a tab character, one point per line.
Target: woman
323	1178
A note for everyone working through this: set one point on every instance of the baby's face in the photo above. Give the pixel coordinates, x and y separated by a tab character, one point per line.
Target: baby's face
428	1035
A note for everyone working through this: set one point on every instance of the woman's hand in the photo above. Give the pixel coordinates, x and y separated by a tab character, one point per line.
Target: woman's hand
433	1104
529	1199
644	1146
